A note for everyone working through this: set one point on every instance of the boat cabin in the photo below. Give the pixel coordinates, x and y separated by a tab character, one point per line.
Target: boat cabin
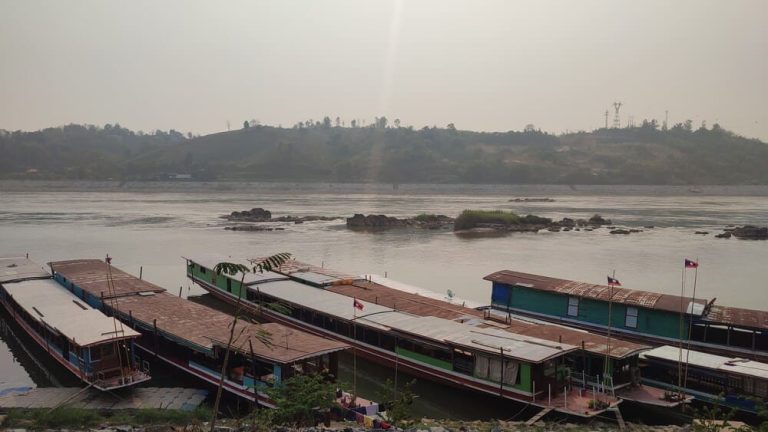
730	381
642	315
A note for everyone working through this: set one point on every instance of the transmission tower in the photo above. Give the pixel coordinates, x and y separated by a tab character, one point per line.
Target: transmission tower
616	118
606	118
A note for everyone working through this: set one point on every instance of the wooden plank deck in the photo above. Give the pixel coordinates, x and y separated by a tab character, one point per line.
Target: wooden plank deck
538	416
619	417
173	398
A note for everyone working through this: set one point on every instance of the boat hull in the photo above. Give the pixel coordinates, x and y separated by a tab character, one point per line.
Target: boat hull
212	379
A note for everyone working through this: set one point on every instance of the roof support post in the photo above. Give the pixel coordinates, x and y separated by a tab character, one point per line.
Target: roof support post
754	337
253	372
154	335
501	381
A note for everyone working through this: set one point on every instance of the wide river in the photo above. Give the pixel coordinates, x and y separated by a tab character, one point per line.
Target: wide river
151	226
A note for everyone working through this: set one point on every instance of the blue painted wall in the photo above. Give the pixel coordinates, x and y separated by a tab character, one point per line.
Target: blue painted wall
649	321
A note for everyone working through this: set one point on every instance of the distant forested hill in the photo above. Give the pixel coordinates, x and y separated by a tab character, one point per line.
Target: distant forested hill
637	155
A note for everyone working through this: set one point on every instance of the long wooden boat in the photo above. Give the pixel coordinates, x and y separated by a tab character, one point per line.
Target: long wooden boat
95	348
193	338
732	382
643	316
444	342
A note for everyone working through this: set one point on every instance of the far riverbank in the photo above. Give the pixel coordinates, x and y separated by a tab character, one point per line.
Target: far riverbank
512	191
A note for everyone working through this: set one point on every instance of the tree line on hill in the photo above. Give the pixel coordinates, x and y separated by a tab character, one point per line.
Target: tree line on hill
382	151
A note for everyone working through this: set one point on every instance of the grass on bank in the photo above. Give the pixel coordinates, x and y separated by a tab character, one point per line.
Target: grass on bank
425	217
473	218
79	417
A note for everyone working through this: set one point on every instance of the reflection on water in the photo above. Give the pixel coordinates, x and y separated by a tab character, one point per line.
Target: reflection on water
25	364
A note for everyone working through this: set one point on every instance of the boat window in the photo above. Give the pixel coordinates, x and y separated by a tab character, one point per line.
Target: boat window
481	366
229	284
749	385
573	306
202	270
95	353
631	318
761	388
107	350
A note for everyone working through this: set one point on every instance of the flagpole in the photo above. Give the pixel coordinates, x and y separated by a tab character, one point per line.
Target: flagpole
680	341
354	349
608	339
690	324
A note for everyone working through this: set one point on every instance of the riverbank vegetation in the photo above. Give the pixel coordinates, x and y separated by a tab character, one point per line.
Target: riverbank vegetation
67	417
469	219
387	153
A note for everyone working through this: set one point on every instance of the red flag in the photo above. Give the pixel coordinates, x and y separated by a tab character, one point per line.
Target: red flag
356	304
613	281
691	263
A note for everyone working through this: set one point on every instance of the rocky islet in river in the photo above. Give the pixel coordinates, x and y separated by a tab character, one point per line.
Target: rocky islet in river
746	232
259	215
425	221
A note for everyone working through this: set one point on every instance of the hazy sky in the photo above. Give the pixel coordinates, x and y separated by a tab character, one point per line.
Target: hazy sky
483	65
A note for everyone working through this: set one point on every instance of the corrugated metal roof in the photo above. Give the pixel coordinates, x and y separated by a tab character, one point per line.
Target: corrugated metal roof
594	343
644	299
402	301
15	269
314	278
211	260
319	299
195	323
737	317
91	276
206	327
400	286
50	303
419	305
441	330
292	266
710	361
489	340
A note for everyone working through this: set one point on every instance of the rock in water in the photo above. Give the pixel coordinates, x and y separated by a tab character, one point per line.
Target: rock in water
374	221
750	232
257	214
598	220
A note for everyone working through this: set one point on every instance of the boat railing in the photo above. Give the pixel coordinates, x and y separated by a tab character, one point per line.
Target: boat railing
128	377
597	383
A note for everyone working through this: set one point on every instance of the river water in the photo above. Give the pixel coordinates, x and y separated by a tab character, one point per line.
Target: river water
152	226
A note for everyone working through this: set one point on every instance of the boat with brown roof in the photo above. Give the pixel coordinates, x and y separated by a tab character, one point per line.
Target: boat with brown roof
643	316
194	338
95	348
442	341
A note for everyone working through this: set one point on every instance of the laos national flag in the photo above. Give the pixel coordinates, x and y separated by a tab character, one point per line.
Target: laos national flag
357	305
613	281
691	264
